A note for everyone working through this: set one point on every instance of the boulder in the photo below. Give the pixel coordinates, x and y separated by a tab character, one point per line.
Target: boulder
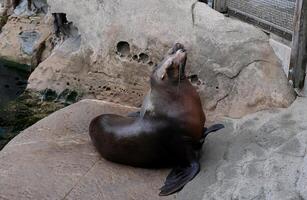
232	63
27	40
54	159
261	156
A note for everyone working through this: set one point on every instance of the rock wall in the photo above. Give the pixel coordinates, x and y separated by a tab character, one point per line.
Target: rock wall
118	43
26	32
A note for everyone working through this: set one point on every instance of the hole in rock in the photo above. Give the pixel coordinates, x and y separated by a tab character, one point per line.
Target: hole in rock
143	57
194	78
123	48
135	57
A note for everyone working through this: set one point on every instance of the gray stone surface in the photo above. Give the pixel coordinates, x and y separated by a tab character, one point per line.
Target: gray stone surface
237	69
261	156
28	40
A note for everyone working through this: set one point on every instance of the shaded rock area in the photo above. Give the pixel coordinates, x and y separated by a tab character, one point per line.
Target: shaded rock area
232	63
261	156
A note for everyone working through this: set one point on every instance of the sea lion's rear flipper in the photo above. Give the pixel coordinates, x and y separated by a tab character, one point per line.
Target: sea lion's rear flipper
179	177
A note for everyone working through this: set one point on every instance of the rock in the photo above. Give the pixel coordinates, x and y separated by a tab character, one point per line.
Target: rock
7	7
24	9
235	68
54	159
51	73
261	156
27	40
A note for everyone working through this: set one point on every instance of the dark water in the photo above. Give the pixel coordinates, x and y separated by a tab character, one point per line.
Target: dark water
12	83
20	108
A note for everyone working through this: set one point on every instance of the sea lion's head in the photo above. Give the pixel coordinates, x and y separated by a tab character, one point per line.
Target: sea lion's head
172	67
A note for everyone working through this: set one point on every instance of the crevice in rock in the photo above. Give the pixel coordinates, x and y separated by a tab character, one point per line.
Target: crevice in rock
3	21
62	27
38	57
80	179
235	75
193	13
218	101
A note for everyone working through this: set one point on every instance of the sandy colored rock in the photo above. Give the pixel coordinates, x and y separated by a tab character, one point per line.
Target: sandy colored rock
54	159
261	156
27	40
237	70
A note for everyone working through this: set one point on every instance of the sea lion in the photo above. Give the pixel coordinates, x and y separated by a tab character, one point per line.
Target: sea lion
168	130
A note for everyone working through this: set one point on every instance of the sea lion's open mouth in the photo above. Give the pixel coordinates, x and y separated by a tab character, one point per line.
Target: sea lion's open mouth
175	48
180	62
172	68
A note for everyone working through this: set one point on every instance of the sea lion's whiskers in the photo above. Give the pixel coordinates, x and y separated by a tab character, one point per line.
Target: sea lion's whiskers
179	78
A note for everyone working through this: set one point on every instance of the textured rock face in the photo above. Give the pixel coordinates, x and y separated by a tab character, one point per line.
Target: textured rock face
236	70
261	156
27	40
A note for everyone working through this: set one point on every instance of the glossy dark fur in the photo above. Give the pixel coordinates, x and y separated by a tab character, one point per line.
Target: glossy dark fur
141	142
168	131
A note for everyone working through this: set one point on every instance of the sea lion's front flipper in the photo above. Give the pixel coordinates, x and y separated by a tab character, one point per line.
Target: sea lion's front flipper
199	144
213	128
178	177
